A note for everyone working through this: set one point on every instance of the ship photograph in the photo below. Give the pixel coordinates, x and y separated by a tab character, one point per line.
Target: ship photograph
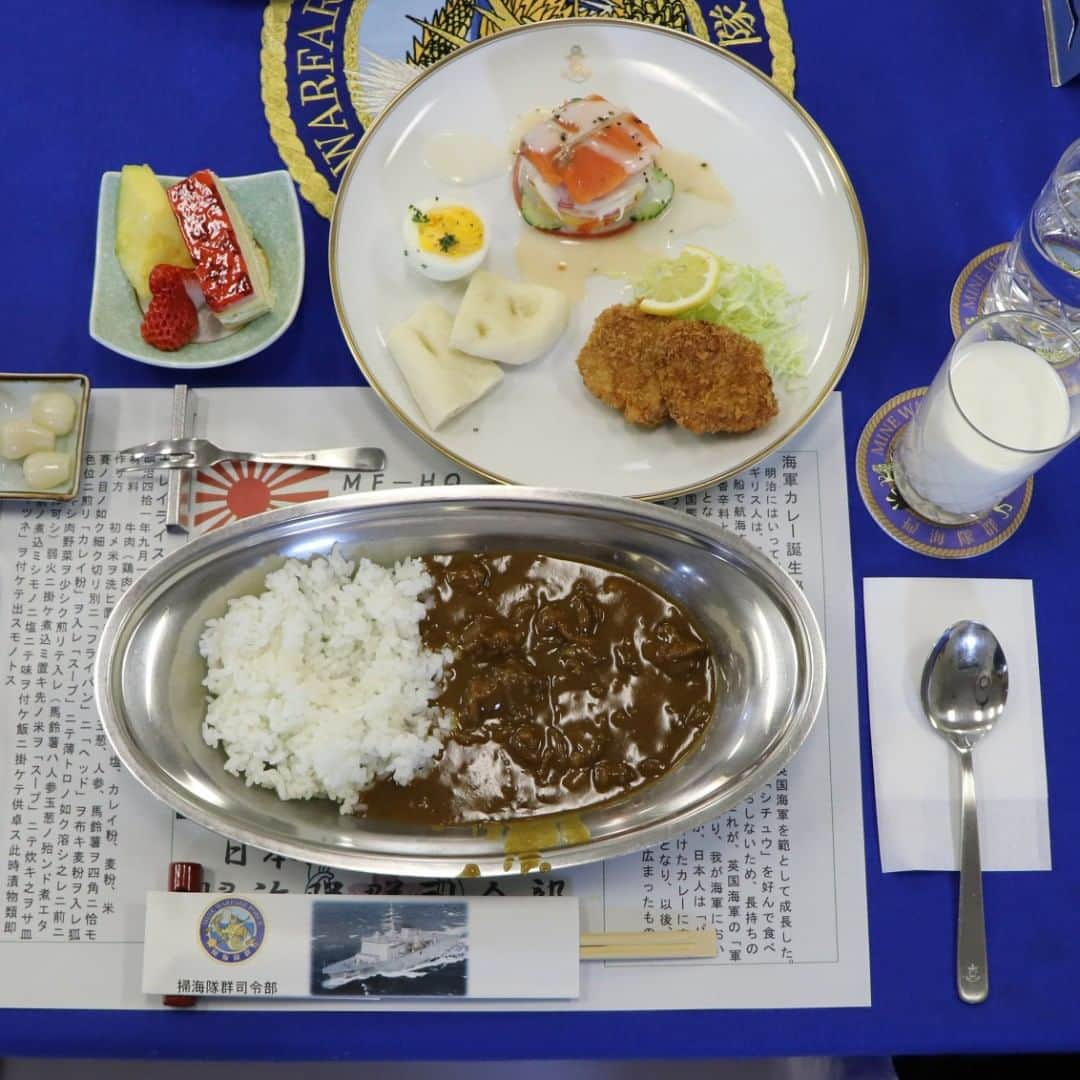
366	949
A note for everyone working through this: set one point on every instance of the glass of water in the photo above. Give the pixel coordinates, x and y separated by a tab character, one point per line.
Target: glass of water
1040	272
1006	400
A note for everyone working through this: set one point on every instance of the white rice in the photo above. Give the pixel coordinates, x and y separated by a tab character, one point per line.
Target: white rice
320	685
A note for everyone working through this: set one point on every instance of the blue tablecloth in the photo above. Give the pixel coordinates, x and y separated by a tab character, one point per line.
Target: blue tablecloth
945	118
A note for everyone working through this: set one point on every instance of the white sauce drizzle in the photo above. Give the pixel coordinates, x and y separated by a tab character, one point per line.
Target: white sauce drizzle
459	157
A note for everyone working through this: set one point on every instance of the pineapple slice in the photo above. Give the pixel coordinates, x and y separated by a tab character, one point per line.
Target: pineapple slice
146	230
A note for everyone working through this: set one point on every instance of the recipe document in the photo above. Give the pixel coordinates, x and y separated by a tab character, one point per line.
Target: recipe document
779	878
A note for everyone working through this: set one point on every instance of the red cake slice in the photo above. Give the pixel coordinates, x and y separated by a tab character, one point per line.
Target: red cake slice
232	271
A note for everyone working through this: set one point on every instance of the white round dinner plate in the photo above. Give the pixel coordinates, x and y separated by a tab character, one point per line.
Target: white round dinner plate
792	207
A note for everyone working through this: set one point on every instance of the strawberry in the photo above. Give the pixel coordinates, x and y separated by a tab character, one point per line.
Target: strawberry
171	320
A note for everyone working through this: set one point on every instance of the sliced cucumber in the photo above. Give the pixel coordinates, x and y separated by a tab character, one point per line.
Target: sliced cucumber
537	212
656	197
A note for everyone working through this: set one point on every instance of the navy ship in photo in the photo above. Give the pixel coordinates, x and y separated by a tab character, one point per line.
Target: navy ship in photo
397	951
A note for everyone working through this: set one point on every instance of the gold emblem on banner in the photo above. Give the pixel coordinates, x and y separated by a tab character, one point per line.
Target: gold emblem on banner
734	26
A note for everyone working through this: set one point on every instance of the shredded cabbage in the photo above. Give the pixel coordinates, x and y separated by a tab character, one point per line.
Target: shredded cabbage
754	301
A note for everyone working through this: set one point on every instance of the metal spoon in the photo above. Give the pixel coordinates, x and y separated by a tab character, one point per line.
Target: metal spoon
964	686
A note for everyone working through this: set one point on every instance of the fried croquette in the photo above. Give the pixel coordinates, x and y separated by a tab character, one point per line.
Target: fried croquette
620	364
714	379
706	378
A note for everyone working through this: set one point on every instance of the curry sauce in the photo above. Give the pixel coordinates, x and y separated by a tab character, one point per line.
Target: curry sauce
570	684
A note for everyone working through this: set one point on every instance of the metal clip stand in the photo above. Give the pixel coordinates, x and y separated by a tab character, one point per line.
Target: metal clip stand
178	496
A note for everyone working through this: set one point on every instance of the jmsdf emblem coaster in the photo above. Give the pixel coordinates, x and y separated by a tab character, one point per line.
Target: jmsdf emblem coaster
873	469
965	305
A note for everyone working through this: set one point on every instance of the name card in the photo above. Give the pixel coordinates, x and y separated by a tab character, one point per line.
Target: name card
298	946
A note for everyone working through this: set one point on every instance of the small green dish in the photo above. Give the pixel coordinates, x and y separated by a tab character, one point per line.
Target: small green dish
270	207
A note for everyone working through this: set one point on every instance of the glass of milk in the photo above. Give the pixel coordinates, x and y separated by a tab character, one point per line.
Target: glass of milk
1006	400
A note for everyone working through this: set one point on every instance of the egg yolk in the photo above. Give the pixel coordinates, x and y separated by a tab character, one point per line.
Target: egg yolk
450	230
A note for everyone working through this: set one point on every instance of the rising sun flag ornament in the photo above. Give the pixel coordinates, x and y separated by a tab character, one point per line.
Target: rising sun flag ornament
233	490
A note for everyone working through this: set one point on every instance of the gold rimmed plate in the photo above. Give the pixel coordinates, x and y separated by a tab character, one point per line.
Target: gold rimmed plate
792	206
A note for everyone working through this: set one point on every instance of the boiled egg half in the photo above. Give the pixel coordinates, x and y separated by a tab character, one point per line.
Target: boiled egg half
444	240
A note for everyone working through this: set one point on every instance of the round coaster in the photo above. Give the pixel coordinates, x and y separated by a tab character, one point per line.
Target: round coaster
873	469
965	305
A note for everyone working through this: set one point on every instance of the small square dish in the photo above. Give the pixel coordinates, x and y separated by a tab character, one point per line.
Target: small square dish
31	421
269	205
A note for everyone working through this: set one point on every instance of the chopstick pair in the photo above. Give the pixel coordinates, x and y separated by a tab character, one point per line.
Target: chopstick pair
649	945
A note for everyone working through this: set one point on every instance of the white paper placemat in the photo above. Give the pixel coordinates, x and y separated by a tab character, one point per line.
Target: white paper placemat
780	878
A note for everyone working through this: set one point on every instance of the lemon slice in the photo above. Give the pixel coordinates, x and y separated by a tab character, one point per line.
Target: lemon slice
679	284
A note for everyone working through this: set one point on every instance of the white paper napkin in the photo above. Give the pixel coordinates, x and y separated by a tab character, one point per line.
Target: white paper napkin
916	773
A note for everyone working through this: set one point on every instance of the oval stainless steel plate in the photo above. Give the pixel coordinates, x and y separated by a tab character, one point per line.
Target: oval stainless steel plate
769	654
